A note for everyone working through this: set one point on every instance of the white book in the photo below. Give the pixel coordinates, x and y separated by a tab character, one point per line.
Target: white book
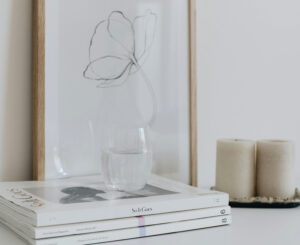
115	235
106	225
84	199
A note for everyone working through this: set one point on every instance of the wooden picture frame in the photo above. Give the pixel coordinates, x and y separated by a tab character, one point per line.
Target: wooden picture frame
39	90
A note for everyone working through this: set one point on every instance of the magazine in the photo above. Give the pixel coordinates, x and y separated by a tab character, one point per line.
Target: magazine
85	199
106	225
115	235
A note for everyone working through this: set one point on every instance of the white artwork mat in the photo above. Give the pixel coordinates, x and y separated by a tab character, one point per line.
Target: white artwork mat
92	83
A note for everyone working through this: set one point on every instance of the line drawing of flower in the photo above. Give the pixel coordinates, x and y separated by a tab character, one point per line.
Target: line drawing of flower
118	48
130	43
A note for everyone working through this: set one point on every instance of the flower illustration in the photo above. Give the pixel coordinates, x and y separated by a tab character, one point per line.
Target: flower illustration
119	47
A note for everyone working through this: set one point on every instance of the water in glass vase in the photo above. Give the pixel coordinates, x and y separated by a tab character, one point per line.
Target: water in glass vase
126	171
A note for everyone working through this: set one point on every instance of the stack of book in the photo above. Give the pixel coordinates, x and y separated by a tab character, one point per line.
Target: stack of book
80	210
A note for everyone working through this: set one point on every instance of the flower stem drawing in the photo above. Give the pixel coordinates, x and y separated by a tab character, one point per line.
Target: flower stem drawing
118	49
152	94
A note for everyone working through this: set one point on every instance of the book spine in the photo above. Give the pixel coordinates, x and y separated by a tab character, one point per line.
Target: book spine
136	232
64	230
87	215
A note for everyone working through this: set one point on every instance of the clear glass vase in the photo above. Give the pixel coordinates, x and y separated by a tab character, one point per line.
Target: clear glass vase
126	160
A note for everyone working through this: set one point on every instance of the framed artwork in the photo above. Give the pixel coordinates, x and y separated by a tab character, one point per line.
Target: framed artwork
101	62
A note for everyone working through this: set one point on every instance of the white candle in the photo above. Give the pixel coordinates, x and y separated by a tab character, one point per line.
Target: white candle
235	167
275	168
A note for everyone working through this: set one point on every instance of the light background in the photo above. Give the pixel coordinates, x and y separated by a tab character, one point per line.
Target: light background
249	58
15	90
248	71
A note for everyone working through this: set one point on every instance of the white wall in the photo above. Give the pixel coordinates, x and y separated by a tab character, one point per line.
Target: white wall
249	74
15	90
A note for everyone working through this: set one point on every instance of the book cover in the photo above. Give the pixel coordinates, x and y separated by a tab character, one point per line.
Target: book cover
85	199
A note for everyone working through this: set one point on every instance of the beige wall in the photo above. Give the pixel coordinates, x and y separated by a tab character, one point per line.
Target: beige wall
248	74
15	90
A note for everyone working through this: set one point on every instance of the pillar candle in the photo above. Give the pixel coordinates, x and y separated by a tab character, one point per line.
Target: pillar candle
235	167
275	168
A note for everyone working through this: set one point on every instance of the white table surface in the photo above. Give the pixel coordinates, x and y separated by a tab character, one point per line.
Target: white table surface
250	226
